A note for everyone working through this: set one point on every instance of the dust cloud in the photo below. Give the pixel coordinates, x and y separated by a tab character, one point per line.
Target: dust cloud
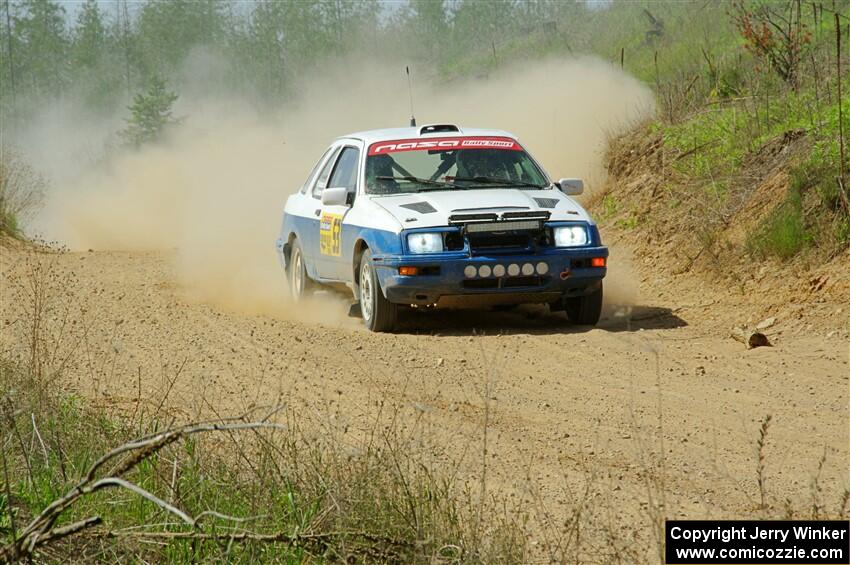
215	188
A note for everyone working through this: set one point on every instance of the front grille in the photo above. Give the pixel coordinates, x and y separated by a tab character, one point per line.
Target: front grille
498	227
505	240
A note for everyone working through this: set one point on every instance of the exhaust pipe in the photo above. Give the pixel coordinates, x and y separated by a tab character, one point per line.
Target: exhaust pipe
565	274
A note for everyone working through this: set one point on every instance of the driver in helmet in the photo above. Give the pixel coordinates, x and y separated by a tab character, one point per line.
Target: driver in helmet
481	163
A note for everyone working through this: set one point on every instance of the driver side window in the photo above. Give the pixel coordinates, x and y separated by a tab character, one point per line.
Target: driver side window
322	179
312	176
345	172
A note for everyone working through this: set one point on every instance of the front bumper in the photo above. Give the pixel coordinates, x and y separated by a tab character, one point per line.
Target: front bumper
446	282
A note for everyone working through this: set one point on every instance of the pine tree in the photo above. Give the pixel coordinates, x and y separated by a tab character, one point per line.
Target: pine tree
150	114
41	29
10	69
90	36
96	69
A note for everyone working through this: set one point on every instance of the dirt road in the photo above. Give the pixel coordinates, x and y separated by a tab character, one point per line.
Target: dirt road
561	403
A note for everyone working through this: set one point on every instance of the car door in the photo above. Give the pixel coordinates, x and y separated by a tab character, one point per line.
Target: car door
300	209
330	262
310	207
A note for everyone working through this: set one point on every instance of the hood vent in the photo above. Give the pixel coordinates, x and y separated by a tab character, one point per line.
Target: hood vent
547	202
421	207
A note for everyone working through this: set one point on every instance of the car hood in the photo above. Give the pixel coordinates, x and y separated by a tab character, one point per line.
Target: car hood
432	209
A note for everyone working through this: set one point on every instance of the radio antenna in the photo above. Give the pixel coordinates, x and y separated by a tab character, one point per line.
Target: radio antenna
410	92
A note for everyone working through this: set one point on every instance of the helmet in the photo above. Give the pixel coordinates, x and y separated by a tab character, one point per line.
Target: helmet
479	163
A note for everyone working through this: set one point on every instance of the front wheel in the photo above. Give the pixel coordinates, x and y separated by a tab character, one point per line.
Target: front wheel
585	310
379	314
300	284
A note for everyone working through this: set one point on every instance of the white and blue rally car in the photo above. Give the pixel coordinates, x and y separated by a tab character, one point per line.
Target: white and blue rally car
441	216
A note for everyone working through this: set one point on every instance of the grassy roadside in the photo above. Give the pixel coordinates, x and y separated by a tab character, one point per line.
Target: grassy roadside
269	493
743	163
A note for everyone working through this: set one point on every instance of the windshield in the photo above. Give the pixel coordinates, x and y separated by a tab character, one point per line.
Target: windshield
451	163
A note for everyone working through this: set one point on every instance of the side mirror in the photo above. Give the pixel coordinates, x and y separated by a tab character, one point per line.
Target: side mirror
335	196
571	187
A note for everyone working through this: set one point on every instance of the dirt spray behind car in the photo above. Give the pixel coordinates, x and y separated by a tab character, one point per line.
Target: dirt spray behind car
213	188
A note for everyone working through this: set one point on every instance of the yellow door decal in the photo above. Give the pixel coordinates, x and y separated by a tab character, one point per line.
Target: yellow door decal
330	231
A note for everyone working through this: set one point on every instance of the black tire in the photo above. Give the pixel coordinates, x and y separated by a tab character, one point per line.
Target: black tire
298	282
379	314
585	310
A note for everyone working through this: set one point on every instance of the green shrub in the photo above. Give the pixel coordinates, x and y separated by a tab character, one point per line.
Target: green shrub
21	191
783	233
609	208
841	232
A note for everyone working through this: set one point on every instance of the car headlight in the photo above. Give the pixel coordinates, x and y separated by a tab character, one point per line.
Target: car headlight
425	242
570	236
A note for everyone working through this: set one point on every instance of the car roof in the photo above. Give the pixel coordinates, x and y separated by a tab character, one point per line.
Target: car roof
415	132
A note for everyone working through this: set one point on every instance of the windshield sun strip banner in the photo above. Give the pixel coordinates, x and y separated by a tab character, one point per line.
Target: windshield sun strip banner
444	143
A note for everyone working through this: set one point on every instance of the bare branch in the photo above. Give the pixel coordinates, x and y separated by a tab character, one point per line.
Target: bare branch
41	529
71	529
116	482
291	538
215	514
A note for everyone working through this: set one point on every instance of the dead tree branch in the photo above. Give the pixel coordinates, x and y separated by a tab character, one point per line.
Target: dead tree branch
42	530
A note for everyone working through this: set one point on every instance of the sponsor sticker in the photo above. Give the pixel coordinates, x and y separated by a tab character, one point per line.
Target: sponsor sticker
444	143
330	231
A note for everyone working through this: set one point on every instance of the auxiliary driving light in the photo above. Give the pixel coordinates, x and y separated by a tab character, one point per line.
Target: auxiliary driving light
484	270
499	271
528	269
470	271
542	268
513	269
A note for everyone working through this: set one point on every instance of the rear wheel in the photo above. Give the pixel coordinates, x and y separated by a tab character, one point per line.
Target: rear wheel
585	310
300	284
379	314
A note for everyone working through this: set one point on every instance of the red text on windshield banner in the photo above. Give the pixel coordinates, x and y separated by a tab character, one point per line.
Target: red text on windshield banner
444	143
